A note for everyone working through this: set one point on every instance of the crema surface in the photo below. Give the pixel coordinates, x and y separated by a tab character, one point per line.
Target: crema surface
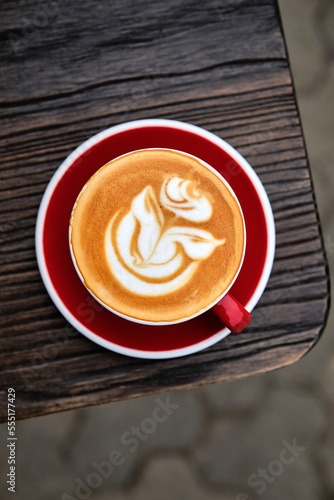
157	236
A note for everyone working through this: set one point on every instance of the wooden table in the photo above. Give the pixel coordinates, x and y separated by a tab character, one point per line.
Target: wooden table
70	70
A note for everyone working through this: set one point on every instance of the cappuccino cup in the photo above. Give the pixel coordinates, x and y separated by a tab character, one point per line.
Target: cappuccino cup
157	236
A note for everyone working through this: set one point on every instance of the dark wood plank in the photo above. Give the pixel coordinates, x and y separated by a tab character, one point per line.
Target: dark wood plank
69	72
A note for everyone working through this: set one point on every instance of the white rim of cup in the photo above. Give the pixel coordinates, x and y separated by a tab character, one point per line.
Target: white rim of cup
84	147
205	309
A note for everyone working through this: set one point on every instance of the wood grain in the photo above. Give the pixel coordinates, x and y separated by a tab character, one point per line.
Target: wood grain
69	71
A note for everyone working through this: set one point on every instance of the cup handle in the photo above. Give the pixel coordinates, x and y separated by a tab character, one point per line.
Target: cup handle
232	313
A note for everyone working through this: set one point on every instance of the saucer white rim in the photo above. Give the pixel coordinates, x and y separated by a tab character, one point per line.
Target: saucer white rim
137	353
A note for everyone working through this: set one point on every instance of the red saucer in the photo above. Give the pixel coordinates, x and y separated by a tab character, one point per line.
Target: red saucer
62	281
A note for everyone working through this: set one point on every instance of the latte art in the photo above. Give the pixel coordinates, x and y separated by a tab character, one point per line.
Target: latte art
147	251
157	236
184	199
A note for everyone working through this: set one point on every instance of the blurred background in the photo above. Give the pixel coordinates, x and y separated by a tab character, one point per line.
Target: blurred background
269	437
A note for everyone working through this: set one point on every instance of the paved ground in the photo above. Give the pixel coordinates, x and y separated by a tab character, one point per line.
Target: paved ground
268	437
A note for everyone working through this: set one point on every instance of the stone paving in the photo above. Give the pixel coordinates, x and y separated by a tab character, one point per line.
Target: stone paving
268	437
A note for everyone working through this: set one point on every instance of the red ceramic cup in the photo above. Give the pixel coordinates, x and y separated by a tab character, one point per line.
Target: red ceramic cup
228	309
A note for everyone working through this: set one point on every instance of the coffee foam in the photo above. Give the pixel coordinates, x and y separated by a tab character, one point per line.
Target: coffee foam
157	236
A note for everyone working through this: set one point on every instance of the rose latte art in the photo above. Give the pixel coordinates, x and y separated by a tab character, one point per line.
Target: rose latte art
157	236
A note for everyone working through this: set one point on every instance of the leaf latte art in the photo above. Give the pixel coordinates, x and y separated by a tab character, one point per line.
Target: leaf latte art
150	250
